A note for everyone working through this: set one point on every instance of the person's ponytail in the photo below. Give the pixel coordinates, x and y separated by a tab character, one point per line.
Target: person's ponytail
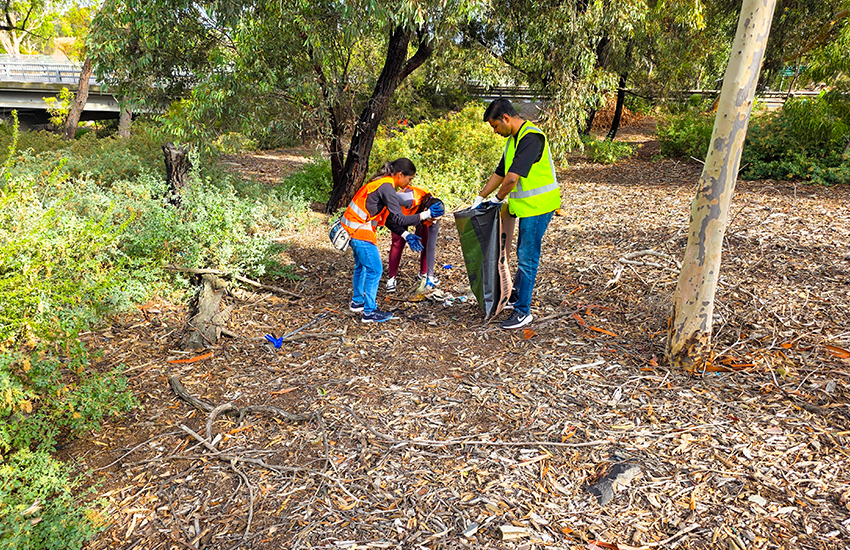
402	164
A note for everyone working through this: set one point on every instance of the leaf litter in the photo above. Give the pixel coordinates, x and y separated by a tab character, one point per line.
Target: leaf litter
437	430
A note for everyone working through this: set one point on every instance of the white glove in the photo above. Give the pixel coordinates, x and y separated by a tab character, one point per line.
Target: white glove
496	200
477	201
425	215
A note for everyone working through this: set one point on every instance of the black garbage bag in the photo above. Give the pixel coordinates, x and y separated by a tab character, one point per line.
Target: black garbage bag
482	240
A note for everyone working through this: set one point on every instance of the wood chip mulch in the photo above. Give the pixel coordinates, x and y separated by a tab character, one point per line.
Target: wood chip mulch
437	430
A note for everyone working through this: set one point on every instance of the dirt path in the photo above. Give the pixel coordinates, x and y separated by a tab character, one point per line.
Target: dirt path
439	431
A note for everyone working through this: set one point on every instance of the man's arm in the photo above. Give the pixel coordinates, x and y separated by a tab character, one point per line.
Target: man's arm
508	184
492	184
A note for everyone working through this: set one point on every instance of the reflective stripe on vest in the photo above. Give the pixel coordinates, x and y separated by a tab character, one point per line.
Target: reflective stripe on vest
356	219
355	225
538	193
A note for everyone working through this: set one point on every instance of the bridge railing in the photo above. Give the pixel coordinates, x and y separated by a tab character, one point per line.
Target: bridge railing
34	70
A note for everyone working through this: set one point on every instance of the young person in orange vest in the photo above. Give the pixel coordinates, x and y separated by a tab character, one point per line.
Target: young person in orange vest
526	177
415	200
376	203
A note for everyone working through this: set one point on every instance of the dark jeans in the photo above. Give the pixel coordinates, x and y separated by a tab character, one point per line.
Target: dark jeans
529	238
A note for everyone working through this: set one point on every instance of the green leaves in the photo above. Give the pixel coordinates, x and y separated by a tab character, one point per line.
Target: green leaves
453	155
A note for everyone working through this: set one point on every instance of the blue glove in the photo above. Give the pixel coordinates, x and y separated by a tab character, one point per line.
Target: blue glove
437	210
414	242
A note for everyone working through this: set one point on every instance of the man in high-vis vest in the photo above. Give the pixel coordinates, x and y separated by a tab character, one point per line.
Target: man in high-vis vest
526	178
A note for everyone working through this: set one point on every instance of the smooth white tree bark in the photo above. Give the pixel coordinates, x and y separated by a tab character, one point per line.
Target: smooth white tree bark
689	334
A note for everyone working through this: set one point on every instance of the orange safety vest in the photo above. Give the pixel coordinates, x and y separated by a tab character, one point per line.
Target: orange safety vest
356	219
418	194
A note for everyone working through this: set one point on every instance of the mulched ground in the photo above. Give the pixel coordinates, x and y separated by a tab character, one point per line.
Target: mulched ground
437	430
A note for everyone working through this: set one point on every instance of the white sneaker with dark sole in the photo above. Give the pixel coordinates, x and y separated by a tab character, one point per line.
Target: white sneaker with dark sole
392	284
516	320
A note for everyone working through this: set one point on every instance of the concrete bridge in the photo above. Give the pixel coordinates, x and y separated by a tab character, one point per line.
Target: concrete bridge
26	80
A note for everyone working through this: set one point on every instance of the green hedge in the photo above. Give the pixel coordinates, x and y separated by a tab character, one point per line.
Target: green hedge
84	233
454	155
806	139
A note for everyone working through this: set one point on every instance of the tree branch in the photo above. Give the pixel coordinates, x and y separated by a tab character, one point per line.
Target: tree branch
426	48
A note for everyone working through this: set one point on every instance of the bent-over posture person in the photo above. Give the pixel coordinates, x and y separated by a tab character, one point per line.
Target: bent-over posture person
415	200
376	203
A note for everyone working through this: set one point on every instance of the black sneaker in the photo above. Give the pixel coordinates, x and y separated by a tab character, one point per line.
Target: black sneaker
516	320
376	316
512	300
356	308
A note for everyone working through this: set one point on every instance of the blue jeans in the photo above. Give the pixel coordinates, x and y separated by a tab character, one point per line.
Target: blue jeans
529	238
367	274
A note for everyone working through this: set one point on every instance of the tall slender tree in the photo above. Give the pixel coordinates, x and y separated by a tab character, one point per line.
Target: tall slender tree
689	336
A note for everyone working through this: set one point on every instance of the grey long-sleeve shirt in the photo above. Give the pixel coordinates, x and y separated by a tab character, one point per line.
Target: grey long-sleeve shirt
385	197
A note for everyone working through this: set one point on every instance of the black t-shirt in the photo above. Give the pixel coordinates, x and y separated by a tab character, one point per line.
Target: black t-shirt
528	151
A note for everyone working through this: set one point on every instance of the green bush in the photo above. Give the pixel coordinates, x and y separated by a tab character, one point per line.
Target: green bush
807	139
453	155
685	135
605	151
313	183
103	160
58	267
38	510
84	233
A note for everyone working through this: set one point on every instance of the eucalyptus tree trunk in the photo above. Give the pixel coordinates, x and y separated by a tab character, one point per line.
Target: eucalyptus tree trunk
689	334
125	118
618	110
79	102
397	67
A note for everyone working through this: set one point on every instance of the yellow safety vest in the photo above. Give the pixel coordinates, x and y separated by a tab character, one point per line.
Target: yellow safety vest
538	193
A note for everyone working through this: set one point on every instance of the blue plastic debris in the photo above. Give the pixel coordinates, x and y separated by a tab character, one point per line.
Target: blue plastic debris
275	341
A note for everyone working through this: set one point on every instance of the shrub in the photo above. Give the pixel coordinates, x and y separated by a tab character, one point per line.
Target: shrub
453	155
685	135
37	508
232	143
606	151
806	139
313	183
58	267
84	233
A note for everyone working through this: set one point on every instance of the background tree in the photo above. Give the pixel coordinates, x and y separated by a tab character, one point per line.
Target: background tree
336	64
568	55
76	22
27	26
689	336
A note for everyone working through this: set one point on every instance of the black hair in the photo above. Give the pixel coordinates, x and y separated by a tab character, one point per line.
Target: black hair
403	165
499	107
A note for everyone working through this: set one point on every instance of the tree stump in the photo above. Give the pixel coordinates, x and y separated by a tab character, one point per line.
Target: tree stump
177	166
206	316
